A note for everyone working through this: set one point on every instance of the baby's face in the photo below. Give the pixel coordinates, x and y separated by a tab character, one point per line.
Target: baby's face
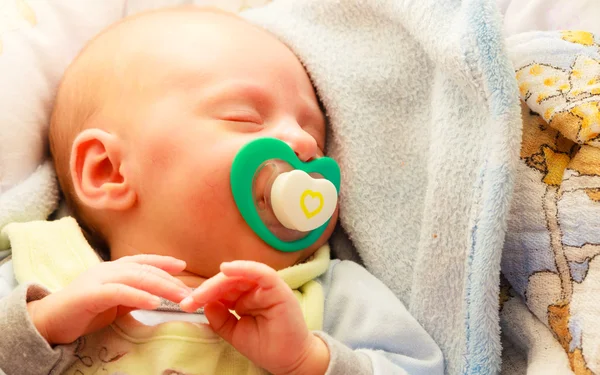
217	94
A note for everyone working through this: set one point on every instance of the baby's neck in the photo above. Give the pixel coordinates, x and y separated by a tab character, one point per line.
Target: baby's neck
121	249
190	279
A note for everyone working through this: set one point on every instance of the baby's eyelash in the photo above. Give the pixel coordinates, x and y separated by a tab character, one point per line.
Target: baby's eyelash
243	126
243	116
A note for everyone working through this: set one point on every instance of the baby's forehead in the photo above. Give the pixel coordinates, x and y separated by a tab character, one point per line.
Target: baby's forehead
167	29
184	49
184	41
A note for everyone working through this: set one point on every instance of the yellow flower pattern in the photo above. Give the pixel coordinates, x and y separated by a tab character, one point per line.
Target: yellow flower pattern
570	95
580	37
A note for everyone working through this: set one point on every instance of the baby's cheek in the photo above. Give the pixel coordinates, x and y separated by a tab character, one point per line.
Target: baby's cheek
330	228
333	221
209	199
159	159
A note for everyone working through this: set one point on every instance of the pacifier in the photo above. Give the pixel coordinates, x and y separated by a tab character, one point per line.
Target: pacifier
287	203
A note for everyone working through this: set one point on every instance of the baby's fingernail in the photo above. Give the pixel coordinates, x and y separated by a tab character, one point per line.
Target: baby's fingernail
154	302
225	264
183	293
187	300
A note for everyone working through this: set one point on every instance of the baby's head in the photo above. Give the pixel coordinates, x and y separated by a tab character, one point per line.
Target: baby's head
148	119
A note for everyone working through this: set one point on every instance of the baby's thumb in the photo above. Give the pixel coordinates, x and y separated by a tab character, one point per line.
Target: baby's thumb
221	320
124	310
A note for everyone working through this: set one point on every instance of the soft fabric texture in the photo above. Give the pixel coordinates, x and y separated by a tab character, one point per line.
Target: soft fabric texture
528	345
367	329
35	198
425	124
7	277
546	15
550	257
21	342
51	257
38	39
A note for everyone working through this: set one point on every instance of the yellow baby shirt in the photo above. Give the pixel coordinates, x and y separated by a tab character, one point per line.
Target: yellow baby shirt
54	253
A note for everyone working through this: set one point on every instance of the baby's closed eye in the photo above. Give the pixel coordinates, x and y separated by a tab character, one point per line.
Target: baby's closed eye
242	115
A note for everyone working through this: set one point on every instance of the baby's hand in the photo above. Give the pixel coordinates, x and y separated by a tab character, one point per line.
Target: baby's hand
271	331
105	292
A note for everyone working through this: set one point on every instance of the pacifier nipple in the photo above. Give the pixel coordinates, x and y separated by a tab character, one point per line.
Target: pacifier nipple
301	202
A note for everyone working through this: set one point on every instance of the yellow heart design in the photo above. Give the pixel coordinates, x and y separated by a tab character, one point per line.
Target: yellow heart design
312	194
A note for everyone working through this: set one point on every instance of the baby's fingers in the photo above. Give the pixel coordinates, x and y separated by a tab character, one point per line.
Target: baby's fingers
149	279
227	290
271	290
264	276
166	263
255	284
112	295
221	320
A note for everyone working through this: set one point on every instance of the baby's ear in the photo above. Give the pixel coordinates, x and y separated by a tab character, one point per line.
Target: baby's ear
98	173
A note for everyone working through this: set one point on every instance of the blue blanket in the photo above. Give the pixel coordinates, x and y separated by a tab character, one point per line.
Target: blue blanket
425	121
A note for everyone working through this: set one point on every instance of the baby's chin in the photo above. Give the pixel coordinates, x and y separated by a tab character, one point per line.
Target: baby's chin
279	260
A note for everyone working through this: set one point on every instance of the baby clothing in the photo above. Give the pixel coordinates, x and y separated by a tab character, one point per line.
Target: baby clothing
366	328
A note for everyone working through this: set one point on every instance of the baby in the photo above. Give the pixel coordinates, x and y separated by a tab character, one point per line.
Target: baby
146	124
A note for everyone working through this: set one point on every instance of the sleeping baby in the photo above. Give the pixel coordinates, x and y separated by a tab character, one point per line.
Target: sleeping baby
156	123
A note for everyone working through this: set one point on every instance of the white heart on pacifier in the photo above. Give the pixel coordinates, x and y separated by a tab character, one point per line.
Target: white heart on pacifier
301	202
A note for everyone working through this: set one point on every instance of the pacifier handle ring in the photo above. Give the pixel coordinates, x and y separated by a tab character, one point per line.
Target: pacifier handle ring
248	160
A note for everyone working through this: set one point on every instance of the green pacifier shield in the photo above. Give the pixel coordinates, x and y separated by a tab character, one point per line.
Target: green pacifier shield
246	163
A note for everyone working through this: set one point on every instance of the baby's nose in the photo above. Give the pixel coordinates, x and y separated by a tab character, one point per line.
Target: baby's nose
304	145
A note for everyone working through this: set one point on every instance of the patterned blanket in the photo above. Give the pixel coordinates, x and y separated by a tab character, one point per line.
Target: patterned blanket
550	255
